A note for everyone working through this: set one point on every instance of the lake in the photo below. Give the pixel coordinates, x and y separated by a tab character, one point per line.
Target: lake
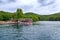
42	30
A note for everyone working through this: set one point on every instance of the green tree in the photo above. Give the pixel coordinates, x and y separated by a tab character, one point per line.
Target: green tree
19	13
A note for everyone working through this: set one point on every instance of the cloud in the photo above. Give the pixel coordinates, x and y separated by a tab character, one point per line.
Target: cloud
3	2
37	6
11	0
18	4
46	2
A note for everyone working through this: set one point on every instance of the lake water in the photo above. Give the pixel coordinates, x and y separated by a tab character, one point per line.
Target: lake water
42	30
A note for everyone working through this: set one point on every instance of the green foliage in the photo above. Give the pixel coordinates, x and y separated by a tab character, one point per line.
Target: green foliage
1	17
19	13
52	17
33	16
4	15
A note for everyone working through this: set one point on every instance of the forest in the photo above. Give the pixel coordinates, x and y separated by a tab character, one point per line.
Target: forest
5	16
51	17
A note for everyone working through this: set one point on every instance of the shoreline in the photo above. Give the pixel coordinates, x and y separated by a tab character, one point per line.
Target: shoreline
7	22
15	22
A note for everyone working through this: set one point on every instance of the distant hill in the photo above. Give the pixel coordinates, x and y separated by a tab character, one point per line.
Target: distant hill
31	13
51	17
56	13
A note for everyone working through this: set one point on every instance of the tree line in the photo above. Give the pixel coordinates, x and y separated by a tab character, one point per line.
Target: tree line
5	16
52	17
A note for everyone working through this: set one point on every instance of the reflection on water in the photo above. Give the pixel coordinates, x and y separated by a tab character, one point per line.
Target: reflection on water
43	30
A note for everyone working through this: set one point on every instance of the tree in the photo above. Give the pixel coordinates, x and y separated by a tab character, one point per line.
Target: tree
19	13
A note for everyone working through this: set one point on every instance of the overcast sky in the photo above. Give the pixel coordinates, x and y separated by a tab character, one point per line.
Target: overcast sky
37	6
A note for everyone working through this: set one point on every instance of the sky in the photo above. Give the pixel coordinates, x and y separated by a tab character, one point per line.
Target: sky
43	7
